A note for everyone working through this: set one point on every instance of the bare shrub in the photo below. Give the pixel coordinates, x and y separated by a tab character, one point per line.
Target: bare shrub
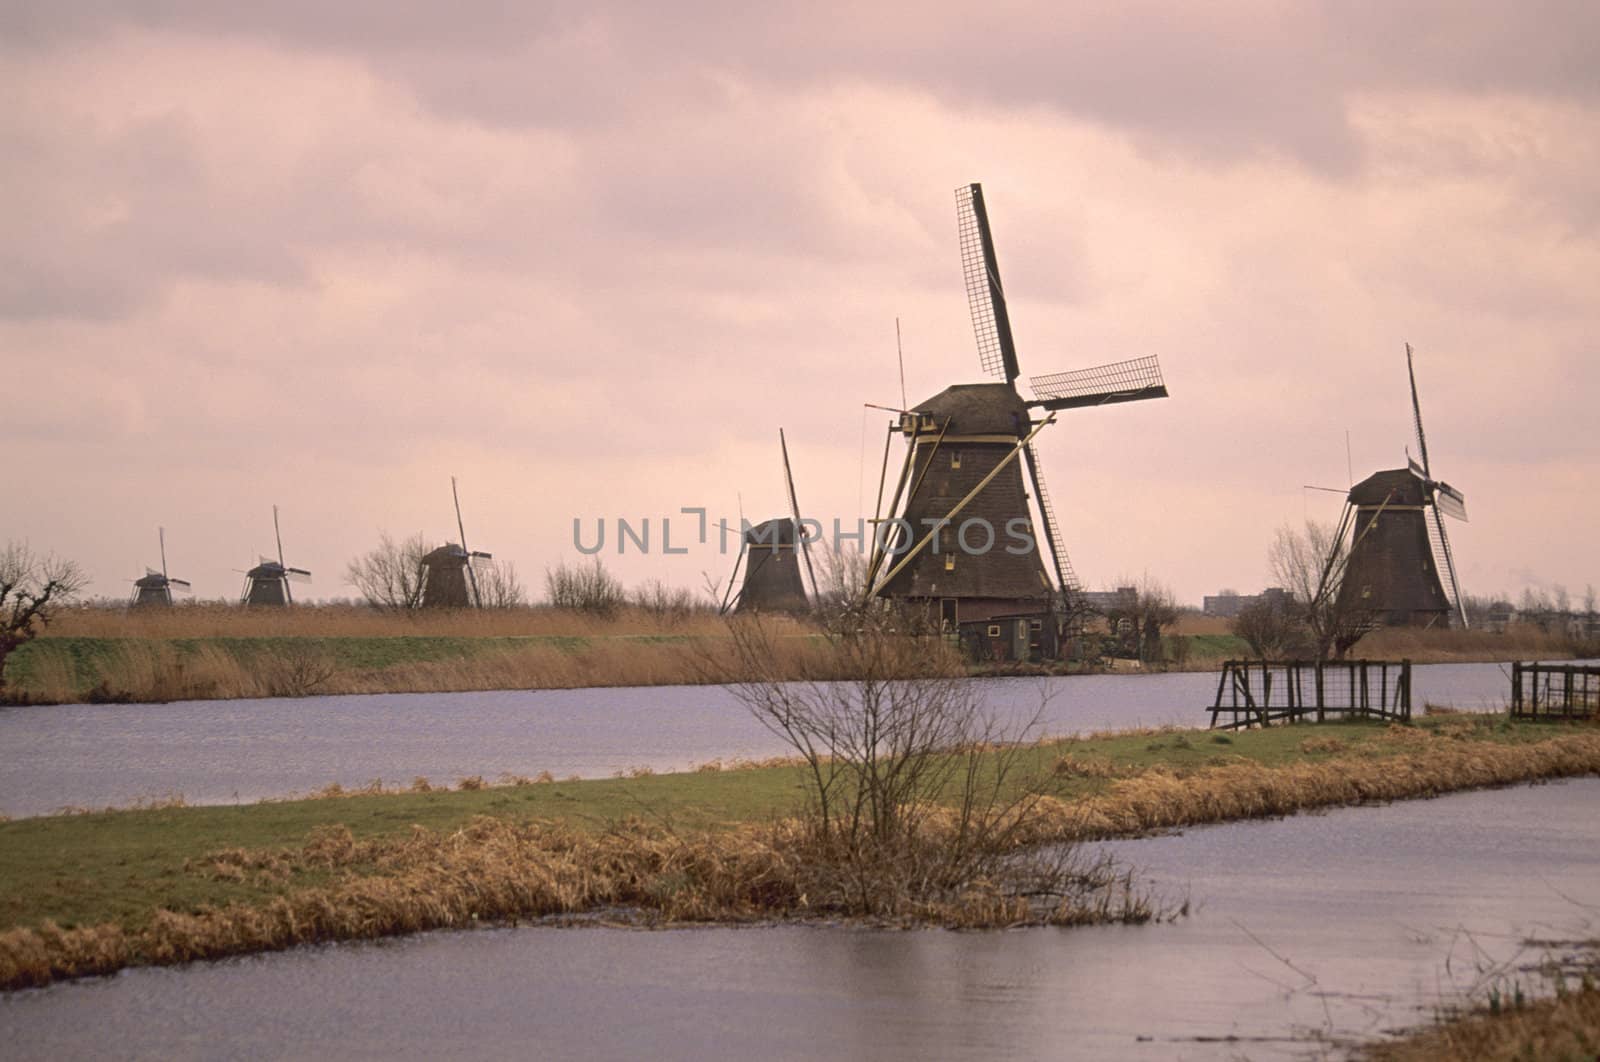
916	793
585	588
299	669
670	604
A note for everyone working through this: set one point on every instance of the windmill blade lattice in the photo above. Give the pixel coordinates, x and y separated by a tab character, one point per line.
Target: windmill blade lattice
1119	381
991	323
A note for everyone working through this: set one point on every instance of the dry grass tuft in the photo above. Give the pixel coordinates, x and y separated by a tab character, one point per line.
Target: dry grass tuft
1563	1029
496	870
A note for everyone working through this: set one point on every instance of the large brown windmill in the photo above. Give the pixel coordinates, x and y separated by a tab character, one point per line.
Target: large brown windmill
963	469
1399	551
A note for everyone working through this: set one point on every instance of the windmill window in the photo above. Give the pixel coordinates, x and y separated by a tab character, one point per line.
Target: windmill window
955	459
994	630
1037	625
949	562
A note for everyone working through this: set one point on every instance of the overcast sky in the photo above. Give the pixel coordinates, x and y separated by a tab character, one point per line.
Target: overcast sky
589	257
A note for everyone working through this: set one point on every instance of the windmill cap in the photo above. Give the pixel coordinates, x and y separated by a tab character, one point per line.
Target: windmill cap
978	409
1397	486
775	532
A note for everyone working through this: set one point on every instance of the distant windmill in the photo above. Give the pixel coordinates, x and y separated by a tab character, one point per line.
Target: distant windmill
156	587
448	576
962	466
268	582
1400	550
771	552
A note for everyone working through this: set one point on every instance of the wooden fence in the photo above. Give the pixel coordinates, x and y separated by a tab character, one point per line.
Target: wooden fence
1555	691
1263	692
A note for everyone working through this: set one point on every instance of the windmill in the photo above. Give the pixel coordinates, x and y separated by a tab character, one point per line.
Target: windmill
155	588
966	449
449	576
1401	555
770	552
268	582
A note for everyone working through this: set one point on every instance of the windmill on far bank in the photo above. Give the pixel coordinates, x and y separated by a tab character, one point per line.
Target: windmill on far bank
770	552
1400	553
962	470
449	578
155	588
268	582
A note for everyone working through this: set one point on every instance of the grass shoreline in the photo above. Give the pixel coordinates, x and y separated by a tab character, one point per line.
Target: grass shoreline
132	670
92	893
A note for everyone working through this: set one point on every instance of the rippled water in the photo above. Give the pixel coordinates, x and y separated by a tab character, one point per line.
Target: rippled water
211	752
1340	925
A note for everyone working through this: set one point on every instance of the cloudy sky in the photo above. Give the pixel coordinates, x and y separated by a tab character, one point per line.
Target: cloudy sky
589	257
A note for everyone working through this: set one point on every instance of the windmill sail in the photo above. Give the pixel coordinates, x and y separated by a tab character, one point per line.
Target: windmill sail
1121	381
991	322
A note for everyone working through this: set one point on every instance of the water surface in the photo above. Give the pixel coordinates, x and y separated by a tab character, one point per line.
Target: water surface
209	752
1327	927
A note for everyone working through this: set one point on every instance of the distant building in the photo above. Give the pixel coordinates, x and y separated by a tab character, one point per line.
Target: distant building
1123	597
1229	605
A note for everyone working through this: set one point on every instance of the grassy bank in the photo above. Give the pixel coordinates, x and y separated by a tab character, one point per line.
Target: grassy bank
101	655
206	652
88	893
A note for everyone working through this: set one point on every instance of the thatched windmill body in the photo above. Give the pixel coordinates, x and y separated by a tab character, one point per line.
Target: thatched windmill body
155	588
449	576
967	450
772	553
1400	570
268	582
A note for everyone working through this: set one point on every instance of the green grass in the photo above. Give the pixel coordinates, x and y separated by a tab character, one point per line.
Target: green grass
118	866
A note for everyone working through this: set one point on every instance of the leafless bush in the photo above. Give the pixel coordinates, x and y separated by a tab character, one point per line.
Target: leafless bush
585	588
390	576
298	669
915	790
672	604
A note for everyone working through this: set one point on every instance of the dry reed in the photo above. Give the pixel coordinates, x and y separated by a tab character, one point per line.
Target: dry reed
207	620
1563	1029
497	870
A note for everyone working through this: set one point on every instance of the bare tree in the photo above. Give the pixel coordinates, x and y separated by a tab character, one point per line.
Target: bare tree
1272	625
391	575
499	586
1310	563
32	587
